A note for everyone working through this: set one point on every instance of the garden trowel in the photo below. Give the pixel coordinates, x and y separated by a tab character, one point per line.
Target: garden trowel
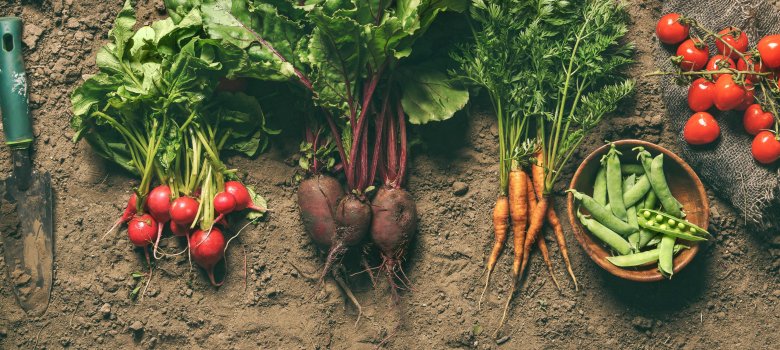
26	204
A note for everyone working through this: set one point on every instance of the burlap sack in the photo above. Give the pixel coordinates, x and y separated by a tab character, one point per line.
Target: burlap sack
727	166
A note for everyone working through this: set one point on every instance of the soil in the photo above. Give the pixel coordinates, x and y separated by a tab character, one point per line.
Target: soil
727	298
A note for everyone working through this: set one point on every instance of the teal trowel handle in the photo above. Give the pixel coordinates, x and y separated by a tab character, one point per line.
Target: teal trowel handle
13	85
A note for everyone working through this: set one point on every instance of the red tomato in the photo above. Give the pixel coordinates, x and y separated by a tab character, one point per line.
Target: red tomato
693	57
727	94
755	119
769	50
766	147
701	129
749	99
670	31
719	62
756	66
700	95
740	42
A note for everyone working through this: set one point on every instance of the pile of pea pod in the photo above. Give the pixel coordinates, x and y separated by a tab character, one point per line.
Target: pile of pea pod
634	213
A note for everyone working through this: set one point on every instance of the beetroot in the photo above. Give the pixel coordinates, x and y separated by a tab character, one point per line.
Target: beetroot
207	249
353	218
318	197
394	222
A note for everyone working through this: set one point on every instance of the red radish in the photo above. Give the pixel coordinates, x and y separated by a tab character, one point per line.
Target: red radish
142	230
393	226
224	203
318	197
207	249
183	210
766	147
241	194
130	211
755	119
178	230
159	203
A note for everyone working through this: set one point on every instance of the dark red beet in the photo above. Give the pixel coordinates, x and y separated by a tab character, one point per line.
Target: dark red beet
393	226
318	197
353	218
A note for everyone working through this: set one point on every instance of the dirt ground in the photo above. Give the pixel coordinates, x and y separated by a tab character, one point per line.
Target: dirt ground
727	298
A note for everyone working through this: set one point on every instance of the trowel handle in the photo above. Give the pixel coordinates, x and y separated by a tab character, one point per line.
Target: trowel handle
17	124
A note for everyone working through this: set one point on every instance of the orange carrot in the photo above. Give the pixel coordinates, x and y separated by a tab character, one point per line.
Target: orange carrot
518	202
518	211
539	213
540	242
552	218
500	229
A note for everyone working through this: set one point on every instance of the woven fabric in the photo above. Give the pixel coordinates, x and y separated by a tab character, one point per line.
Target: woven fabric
727	165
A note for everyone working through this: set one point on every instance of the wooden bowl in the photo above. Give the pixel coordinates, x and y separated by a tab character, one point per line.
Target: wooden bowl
684	184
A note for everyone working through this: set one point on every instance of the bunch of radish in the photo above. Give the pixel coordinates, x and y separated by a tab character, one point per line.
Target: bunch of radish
737	78
147	220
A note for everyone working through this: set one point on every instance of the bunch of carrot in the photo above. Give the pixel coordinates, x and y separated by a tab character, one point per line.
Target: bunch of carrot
527	209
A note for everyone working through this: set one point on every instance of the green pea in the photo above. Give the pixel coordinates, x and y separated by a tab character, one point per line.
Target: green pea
663	227
659	218
692	230
646	214
681	226
672	222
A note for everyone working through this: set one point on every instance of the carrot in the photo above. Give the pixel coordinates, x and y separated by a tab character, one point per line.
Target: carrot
518	211
538	214
500	229
518	203
541	243
552	218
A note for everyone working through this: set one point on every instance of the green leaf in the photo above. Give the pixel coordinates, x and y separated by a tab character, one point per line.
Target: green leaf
428	95
123	28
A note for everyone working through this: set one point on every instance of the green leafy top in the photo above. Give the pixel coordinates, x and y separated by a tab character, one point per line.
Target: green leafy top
554	63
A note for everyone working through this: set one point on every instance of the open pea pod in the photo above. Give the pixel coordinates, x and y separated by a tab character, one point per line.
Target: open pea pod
657	221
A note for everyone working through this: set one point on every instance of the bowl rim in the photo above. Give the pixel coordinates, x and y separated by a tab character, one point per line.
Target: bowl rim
583	238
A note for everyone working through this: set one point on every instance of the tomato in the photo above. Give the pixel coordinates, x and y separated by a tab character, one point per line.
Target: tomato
749	99
701	129
727	94
694	55
670	31
765	147
700	95
719	62
756	66
769	50
740	43
755	119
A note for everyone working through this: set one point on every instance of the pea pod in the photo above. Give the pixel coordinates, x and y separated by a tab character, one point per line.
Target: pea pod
666	256
654	170
638	191
639	259
666	224
633	239
655	240
600	187
628	169
611	238
602	215
614	182
648	202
